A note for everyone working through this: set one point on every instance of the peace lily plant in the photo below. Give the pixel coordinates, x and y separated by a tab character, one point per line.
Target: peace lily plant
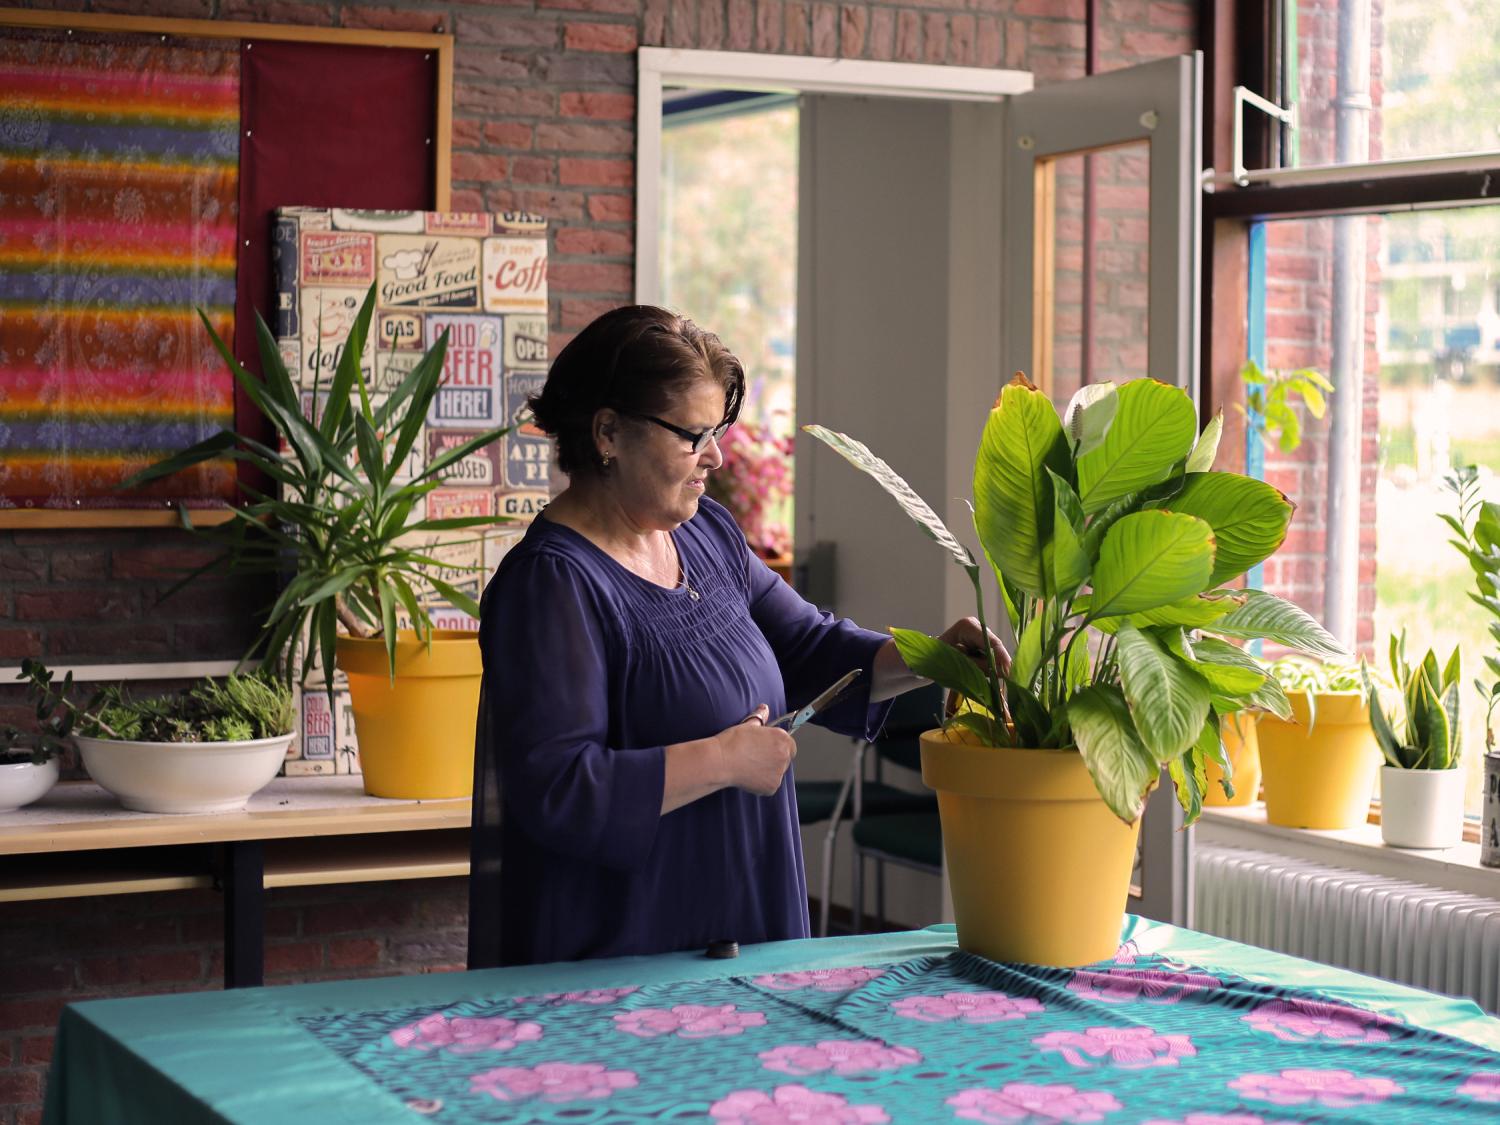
1113	542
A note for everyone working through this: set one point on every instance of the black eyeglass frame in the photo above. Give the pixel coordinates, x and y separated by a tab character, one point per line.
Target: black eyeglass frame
699	439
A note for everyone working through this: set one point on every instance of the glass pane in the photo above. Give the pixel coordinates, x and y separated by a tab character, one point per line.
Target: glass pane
729	261
1419	79
1430	285
1094	330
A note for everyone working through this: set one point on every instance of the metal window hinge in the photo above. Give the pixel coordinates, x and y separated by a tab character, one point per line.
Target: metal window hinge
1244	96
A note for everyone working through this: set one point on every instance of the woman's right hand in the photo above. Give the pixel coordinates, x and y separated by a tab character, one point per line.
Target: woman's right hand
756	756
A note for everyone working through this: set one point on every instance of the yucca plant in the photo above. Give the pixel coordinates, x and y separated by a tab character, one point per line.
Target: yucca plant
1428	735
341	521
1112	540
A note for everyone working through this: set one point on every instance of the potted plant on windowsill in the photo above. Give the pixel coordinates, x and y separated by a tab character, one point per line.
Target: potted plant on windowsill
1240	733
1112	540
28	766
342	523
207	749
1320	762
1421	786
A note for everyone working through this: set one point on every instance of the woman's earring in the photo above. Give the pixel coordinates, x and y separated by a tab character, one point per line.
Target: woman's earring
605	458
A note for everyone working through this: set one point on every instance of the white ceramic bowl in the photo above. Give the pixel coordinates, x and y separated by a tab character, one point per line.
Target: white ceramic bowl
24	782
183	777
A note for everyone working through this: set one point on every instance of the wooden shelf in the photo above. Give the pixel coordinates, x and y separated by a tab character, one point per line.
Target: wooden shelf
368	859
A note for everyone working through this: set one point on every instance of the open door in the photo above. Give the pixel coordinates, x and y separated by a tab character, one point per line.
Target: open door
1130	139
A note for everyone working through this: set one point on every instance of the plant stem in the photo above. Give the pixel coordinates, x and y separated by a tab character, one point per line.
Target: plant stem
348	619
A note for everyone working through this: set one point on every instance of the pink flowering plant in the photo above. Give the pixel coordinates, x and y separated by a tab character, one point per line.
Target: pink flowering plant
754	483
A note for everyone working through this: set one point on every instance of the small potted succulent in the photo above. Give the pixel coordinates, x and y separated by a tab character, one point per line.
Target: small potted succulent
1319	762
1421	786
1113	542
28	765
347	524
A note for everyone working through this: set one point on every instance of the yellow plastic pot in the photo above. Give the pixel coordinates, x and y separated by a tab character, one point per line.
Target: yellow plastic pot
1242	743
1319	774
1038	865
416	733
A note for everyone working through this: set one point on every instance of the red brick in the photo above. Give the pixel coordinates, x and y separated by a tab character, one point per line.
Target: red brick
1182	17
559	206
158	562
611	208
590	277
908	36
277	11
391	19
1052	9
76	605
596	173
508	134
16	644
532	170
506	31
1155	44
22	564
348	917
349	953
142	968
18	1087
769	17
40	1013
572	240
682	29
22	976
603	7
518	101
741	31
603	107
486	167
1049	33
961	40
466	132
578	137
619	37
578	313
179	9
654	23
797	31
464	199
825	30
557	341
882	33
36	1050
295	957
710	25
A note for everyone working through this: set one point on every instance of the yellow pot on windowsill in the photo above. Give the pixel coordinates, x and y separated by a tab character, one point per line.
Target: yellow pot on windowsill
1320	768
1242	744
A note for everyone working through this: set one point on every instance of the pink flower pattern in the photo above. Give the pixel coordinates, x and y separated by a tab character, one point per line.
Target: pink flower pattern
551	1082
824	980
587	996
1482	1086
793	1105
1155	986
1130	1048
842	1056
463	1036
1295	1021
970	1007
1023	1101
1217	1119
1337	1089
688	1021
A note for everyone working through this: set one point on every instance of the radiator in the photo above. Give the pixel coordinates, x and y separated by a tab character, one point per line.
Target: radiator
1442	941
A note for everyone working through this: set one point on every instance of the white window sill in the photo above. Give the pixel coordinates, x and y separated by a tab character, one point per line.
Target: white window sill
1361	849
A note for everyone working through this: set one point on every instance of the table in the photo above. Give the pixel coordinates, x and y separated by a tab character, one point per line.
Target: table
792	1025
77	841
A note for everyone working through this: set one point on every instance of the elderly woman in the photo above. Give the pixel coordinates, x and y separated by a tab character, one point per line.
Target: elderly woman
634	652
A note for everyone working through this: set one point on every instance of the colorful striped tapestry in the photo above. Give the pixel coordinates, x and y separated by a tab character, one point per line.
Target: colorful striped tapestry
118	191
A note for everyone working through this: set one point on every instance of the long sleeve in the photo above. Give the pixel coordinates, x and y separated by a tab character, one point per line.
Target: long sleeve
546	666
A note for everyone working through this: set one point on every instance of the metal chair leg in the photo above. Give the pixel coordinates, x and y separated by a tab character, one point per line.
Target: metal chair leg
826	890
857	894
880	894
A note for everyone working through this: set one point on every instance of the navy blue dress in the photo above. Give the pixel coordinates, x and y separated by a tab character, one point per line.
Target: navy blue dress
590	671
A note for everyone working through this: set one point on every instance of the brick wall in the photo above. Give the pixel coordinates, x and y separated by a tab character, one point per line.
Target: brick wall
544	119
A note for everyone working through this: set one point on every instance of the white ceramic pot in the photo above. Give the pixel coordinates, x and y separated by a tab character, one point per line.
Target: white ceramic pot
183	777
1421	808
24	782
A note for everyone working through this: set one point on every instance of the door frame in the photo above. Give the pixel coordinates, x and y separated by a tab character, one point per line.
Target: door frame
659	67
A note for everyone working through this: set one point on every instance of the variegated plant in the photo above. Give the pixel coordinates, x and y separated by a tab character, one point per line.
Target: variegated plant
1113	541
1425	734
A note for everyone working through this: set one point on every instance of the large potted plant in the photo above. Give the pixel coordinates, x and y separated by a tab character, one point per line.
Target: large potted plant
1112	540
342	524
1320	763
1421	786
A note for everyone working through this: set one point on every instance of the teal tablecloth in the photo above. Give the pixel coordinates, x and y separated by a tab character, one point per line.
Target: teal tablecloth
1180	1029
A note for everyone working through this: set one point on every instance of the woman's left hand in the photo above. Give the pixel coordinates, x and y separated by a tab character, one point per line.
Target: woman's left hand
969	637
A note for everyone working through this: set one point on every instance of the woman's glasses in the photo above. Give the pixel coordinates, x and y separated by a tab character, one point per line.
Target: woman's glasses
699	439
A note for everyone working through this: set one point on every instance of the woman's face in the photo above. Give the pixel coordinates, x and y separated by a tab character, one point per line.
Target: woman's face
656	476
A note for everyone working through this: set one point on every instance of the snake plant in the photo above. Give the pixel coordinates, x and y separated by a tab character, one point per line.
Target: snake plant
1113	541
1428	737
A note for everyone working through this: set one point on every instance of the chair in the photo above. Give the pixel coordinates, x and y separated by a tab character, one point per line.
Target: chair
910	835
856	798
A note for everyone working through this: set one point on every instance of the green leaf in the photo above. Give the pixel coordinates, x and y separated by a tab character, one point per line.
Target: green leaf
347	373
1013	502
1122	768
1229	670
1206	450
1070	564
1153	429
1266	616
1190	779
1390	745
943	664
1252	374
1249	518
1168	700
1088	416
858	455
1028	659
425	377
1151	559
1196	612
456	597
1211	747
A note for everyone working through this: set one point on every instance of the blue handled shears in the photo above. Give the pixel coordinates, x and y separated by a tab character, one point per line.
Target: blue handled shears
794	719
